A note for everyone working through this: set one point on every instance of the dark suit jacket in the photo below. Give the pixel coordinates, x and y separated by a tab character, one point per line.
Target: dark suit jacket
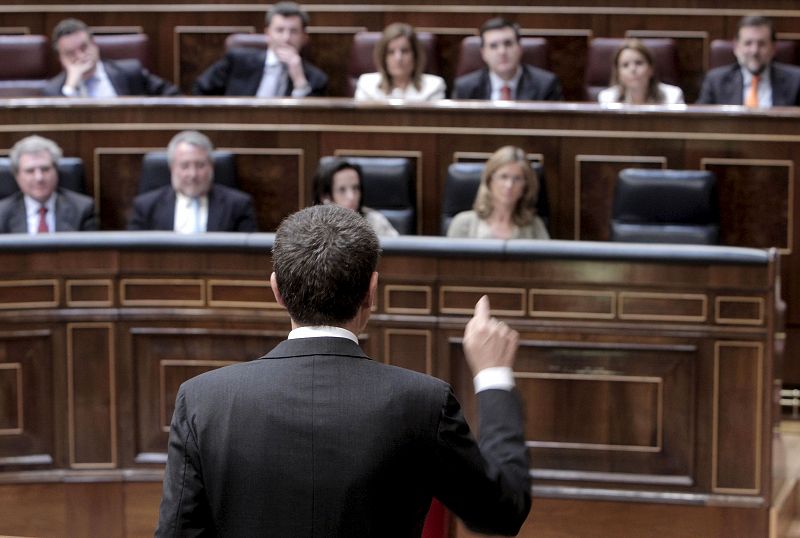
239	72
74	212
534	85
316	440
724	85
229	210
128	78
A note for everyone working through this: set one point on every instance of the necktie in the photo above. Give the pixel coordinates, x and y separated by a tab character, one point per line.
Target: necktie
752	95
505	92
42	229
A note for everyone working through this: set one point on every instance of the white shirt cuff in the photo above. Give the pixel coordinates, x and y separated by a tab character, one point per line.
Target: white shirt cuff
301	92
68	91
498	377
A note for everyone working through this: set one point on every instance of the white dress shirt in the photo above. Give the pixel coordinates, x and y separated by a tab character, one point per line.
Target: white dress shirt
500	377
32	213
191	214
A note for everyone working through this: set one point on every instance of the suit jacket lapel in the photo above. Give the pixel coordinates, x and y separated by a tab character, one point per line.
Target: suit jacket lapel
256	72
732	87
18	220
214	222
65	213
164	214
117	78
780	89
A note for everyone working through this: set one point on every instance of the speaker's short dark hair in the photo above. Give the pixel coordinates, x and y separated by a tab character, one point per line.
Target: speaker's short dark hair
68	27
323	258
749	21
287	9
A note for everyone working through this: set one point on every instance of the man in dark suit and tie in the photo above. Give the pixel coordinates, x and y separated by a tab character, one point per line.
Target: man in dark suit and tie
504	76
278	71
192	202
41	206
86	75
314	439
754	80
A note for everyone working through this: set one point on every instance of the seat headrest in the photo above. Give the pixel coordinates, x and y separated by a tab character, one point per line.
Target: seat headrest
665	196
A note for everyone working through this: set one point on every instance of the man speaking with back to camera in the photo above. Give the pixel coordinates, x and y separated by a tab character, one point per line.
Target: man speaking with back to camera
315	439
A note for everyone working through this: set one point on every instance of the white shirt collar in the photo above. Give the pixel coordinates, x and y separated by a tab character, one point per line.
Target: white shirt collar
32	206
321	331
271	59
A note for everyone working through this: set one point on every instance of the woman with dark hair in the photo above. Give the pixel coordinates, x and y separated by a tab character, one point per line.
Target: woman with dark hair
633	78
338	181
400	60
504	205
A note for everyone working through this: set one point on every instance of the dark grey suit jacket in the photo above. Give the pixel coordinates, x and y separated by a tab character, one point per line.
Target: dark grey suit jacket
724	85
316	440
229	210
239	72
74	212
128	78
534	85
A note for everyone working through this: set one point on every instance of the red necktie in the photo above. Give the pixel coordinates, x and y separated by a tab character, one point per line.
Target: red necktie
505	92
42	229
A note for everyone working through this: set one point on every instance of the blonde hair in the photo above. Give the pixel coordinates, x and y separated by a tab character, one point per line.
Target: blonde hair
393	31
524	210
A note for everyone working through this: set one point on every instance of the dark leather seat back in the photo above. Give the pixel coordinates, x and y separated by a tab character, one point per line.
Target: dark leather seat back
721	53
247	41
389	186
665	206
71	175
155	170
361	55
534	52
23	65
601	55
125	46
461	186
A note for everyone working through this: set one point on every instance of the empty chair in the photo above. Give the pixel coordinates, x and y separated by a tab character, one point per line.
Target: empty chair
389	186
721	52
534	52
665	206
156	173
601	54
361	60
125	46
23	65
71	176
461	186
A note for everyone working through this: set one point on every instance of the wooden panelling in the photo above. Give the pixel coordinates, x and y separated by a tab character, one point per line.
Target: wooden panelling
739	310
409	348
738	401
86	293
12	421
404	299
585	304
29	294
462	299
91	391
663	306
162	292
241	294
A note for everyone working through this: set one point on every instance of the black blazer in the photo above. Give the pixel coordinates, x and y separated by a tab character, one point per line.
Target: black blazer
239	72
534	85
316	440
229	210
724	85
128	78
74	212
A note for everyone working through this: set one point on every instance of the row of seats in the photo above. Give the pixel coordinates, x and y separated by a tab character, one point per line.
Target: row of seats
25	64
678	206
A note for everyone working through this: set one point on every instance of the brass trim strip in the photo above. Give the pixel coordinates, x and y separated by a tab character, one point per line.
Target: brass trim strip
481	290
567	314
90	282
240	304
662	317
738	299
51	282
17	366
389	288
659	382
125	282
112	394
387	333
715	418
